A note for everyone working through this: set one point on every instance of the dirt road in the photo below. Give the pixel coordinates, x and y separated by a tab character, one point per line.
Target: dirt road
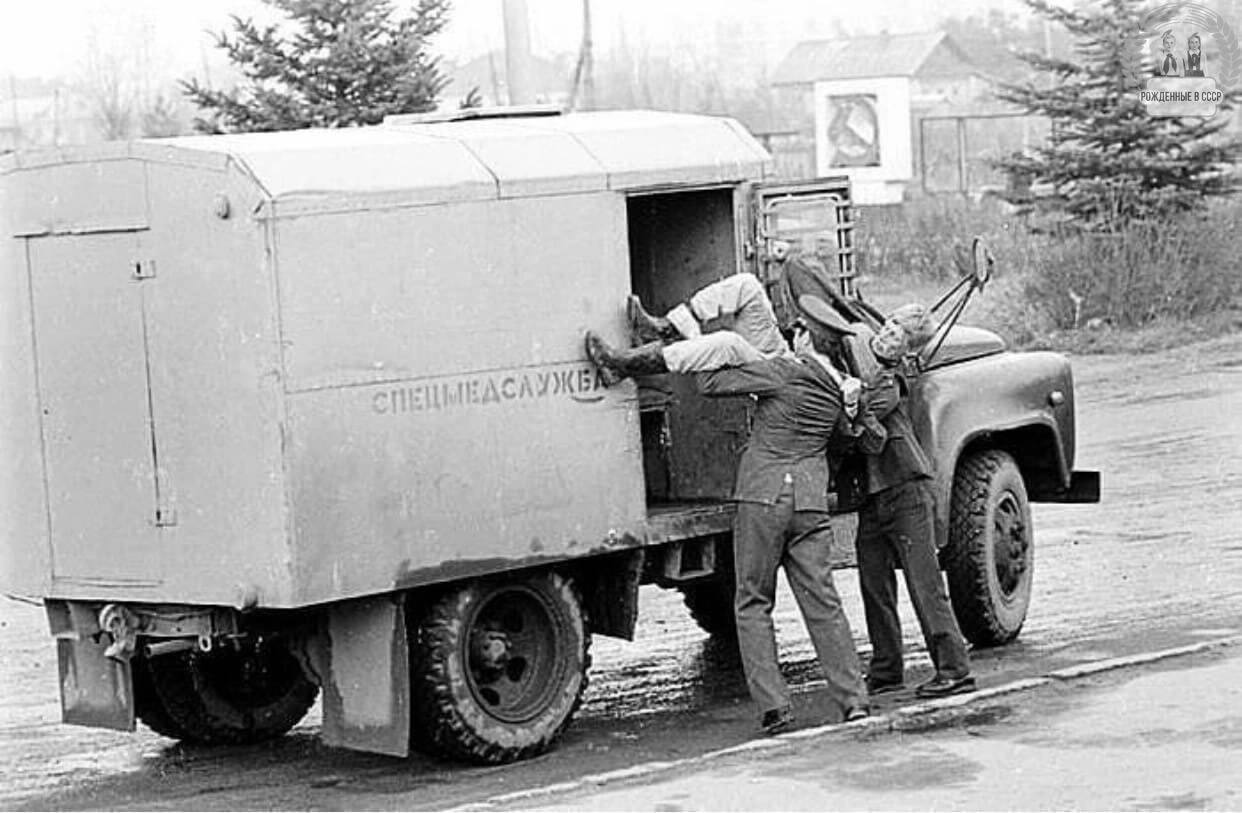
1157	563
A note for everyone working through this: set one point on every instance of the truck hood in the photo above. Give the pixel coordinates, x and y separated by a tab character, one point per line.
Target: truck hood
964	343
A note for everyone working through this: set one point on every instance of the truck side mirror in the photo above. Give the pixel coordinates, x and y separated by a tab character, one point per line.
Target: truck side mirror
976	271
982	262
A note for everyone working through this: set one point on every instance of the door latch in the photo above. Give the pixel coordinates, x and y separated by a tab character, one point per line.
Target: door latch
144	269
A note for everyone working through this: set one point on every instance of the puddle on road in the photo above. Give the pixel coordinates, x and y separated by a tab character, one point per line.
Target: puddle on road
1214	632
1172	395
1180	801
954	718
1162	444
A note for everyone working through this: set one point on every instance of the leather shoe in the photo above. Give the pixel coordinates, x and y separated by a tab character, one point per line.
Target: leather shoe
943	686
647	328
775	721
854	713
875	686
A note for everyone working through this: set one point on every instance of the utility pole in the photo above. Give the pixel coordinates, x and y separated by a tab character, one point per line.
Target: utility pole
17	123
517	52
588	58
584	71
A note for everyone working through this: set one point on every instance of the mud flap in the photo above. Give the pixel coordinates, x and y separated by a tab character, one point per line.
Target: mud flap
1084	487
610	593
95	690
361	656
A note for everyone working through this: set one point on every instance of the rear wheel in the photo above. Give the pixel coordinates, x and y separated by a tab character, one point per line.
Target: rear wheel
246	690
990	557
149	707
500	668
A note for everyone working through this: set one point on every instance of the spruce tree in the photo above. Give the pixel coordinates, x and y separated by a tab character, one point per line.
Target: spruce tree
1110	162
329	63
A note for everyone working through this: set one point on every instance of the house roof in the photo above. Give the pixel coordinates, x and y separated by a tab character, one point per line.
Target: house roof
925	54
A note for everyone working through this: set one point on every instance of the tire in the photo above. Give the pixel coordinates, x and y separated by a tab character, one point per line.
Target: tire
990	556
711	605
250	692
149	708
499	668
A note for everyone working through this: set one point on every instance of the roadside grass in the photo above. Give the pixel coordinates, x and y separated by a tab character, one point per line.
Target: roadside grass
1163	334
1002	309
1146	290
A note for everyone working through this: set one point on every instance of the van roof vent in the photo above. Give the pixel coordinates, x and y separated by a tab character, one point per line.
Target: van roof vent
520	111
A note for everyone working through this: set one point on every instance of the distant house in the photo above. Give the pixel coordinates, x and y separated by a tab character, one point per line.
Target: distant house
859	101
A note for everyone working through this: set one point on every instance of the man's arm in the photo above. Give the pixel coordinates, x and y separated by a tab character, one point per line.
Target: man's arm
756	378
882	393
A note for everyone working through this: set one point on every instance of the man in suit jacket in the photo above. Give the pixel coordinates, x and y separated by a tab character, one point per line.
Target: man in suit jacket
896	522
782	520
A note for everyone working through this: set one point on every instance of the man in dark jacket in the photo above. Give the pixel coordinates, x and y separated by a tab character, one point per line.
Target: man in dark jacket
782	508
896	523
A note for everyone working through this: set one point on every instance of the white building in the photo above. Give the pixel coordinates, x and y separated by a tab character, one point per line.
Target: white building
867	95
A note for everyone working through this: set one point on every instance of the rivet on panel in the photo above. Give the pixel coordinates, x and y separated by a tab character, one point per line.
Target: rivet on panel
247	596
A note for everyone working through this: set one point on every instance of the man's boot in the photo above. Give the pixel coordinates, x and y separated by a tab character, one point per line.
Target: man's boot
647	328
617	365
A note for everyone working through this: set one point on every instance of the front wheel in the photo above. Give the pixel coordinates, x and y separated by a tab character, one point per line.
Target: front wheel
990	556
500	668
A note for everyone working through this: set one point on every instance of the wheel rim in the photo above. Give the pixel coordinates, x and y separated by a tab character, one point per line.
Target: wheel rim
1010	544
251	675
514	654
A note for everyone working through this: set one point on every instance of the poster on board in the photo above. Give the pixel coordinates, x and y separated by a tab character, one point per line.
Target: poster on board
853	131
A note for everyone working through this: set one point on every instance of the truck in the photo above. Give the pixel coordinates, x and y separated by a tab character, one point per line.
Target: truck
307	414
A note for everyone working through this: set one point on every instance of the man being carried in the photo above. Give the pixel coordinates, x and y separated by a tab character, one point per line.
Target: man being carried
747	332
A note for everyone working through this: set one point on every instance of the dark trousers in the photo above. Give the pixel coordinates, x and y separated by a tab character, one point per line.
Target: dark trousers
766	537
896	528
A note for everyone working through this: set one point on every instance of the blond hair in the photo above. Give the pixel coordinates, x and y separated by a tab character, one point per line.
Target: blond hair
917	323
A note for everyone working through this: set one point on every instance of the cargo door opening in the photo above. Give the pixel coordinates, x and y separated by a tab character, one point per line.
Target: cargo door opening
678	243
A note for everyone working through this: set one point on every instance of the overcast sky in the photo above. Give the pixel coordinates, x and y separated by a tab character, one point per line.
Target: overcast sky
48	37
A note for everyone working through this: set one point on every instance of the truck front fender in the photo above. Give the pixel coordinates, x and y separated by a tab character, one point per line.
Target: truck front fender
1022	403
